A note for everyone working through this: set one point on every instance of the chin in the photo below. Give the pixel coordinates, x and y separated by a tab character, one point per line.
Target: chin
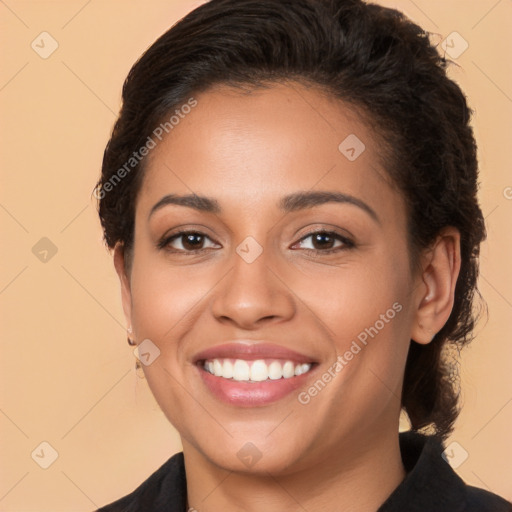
254	460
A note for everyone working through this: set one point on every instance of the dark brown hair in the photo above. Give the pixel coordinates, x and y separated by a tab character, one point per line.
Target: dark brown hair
370	57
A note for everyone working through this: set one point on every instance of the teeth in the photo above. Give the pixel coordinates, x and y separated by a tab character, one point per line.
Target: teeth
288	370
217	366
302	368
227	370
254	371
241	370
259	371
275	370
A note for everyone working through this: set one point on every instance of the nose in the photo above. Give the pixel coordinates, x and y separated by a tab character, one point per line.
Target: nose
253	294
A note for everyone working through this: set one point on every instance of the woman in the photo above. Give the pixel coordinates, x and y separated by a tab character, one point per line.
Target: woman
290	195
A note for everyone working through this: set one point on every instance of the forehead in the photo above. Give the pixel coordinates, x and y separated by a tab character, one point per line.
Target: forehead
249	148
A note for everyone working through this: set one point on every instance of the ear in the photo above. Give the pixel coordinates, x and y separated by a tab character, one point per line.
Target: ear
126	296
434	297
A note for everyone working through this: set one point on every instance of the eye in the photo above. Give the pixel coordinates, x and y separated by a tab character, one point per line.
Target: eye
325	242
186	241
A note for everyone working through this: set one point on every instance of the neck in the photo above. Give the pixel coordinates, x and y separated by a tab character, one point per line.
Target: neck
359	479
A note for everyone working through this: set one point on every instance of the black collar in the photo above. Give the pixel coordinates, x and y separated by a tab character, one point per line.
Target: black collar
431	485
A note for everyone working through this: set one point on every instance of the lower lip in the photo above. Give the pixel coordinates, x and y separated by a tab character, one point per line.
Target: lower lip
251	394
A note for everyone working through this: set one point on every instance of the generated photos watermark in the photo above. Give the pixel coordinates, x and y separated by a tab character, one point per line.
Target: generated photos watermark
151	142
356	347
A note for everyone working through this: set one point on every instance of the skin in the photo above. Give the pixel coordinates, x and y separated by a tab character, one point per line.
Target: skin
247	150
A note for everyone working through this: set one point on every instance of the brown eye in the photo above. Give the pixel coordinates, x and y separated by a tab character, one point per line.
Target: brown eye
186	241
325	242
192	241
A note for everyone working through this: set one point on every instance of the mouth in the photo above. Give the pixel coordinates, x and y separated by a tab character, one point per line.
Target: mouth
249	375
259	370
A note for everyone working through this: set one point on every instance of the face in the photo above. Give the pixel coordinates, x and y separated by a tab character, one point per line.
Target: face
278	324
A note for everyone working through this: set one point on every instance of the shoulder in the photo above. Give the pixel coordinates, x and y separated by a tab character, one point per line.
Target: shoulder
479	500
165	490
431	484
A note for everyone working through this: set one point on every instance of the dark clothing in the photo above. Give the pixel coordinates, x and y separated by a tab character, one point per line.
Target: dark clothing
431	485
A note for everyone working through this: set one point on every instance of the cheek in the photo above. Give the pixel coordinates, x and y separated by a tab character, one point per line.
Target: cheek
165	299
351	297
166	304
365	312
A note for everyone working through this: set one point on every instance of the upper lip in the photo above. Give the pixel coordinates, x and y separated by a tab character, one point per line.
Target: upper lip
251	351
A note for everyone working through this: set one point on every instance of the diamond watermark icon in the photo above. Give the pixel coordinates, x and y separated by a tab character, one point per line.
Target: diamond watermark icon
455	455
44	250
454	45
249	454
44	455
146	352
351	147
249	249
44	45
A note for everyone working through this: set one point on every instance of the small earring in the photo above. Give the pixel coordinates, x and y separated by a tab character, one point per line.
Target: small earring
138	371
131	342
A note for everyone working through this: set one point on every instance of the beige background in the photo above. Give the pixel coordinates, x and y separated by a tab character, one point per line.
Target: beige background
67	372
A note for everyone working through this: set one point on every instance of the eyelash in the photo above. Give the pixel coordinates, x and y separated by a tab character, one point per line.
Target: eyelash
347	243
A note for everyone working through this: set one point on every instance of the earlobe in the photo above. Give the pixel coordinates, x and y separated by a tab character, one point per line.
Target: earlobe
120	266
436	293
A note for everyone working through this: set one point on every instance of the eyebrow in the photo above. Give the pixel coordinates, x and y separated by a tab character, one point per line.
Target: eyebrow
200	203
303	200
289	203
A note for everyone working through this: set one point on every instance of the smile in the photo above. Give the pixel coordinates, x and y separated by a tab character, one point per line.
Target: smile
258	370
244	373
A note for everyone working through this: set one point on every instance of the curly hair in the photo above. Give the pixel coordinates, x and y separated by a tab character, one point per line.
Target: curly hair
374	59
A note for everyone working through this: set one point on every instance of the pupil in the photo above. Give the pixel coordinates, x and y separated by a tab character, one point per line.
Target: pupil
322	237
190	240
